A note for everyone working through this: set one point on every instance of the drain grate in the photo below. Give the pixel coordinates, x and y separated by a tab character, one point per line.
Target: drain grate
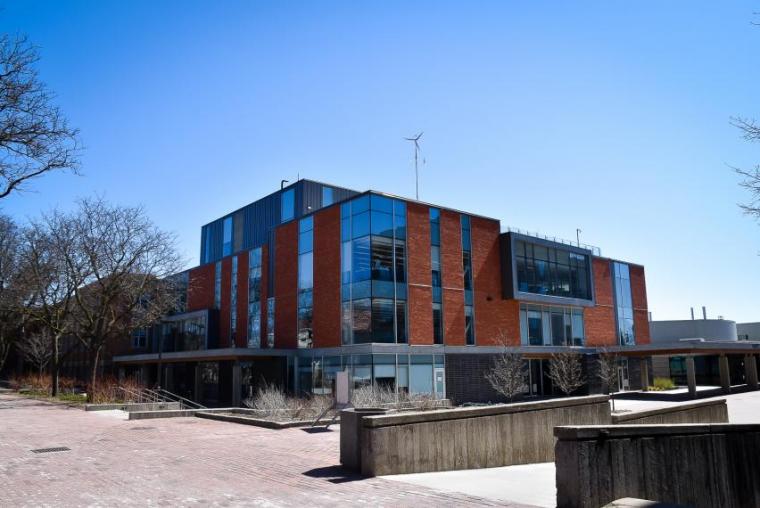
50	450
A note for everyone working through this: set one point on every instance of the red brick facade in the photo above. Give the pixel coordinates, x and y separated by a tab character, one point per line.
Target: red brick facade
327	315
200	288
640	308
420	299
286	285
600	320
453	279
495	318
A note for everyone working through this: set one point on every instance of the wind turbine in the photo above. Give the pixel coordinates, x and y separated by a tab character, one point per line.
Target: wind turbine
416	140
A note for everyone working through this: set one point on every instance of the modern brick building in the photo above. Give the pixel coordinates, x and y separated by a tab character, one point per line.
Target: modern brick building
314	279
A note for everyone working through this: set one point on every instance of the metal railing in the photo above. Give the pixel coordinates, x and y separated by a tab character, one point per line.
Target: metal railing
159	395
596	251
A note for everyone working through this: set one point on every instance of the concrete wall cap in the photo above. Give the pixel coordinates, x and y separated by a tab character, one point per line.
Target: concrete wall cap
588	432
475	412
634	415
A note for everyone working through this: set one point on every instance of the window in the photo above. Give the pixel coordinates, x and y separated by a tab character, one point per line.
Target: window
552	271
623	304
139	338
287	205
437	324
218	285
469	325
466	259
373	270
467	273
327	196
208	244
270	322
305	282
557	326
233	301
227	237
254	298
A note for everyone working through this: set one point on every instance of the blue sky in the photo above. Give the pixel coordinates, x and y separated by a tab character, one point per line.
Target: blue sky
608	116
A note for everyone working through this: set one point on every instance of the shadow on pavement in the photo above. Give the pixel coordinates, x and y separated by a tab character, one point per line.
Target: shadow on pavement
334	474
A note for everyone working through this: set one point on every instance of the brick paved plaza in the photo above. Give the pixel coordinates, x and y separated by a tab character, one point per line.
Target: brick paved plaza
180	461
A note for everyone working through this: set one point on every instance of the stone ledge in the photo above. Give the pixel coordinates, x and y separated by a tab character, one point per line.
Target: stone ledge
624	417
589	432
476	412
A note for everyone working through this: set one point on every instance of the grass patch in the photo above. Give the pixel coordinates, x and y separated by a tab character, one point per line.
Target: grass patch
662	384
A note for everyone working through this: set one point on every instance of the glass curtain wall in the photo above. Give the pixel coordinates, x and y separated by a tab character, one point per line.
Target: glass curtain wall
287	205
227	236
435	266
400	374
623	304
373	270
218	284
270	322
305	281
551	326
254	297
551	271
469	317
184	334
233	301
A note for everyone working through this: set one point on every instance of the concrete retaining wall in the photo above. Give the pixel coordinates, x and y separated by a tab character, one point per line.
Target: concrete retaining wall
467	438
134	406
711	411
695	465
179	413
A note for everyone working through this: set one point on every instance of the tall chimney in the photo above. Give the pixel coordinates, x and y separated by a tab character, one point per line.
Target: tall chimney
692	313
704	312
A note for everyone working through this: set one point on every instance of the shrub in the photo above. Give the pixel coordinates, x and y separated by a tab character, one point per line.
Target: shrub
662	383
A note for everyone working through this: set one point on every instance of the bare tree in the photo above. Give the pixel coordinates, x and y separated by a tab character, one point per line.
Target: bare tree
123	263
52	283
34	136
507	374
37	349
566	372
607	365
12	288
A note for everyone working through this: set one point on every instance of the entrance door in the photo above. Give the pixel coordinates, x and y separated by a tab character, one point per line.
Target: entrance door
440	382
623	382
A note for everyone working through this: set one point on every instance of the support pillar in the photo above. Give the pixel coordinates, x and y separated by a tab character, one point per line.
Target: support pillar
750	371
236	382
198	383
725	376
691	377
644	368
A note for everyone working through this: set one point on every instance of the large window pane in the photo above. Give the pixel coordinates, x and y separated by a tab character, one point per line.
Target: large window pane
437	324
551	271
382	320
360	225
535	328
327	196
382	258
361	259
421	374
381	223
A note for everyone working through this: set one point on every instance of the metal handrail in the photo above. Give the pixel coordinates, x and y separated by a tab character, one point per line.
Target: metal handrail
596	251
182	400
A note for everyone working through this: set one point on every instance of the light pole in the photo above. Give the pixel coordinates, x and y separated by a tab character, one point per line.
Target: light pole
578	236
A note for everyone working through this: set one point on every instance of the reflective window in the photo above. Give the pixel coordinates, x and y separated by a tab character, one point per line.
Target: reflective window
188	334
373	270
435	253
254	298
270	322
305	282
218	284
233	301
469	325
287	205
623	304
545	325
552	271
